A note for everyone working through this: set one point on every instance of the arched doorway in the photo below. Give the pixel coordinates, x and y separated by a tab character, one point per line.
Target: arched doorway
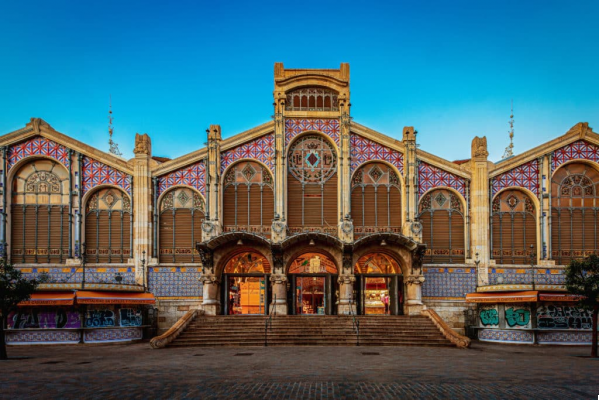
380	285
245	284
312	276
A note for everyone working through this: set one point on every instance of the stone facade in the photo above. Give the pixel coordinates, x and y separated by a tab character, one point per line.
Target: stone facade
309	105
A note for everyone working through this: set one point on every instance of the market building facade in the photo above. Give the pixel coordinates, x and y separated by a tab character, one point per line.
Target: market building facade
310	213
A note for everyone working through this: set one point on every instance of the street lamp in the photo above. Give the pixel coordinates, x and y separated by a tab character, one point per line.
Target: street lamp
477	262
143	267
533	260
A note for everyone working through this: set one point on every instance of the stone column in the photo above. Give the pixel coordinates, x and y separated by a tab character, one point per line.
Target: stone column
279	225
212	224
414	295
543	247
210	283
480	203
346	280
410	170
142	206
278	280
346	228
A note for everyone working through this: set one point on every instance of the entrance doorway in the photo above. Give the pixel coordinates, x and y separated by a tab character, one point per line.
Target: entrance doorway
312	276
380	285
245	285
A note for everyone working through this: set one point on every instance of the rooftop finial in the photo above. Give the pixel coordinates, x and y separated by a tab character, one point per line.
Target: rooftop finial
114	147
509	150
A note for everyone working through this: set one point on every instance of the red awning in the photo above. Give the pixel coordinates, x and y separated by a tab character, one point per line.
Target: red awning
50	299
502	297
559	297
89	297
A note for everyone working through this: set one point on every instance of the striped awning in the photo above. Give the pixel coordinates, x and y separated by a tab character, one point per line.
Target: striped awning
502	297
49	299
89	297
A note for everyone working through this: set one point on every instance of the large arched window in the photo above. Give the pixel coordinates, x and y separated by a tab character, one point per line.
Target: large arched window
312	185
40	213
442	219
180	226
376	199
513	227
574	202
248	199
312	99
108	227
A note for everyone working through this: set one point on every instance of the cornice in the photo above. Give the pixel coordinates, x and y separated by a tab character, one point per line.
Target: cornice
247	136
179	162
573	135
45	130
443	164
377	137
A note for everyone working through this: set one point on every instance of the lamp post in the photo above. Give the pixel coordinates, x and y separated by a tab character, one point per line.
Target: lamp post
143	267
477	262
533	260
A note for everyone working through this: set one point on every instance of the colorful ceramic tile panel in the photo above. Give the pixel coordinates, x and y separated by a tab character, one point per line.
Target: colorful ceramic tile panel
92	275
173	282
38	146
564	337
525	175
363	150
95	173
496	335
440	282
524	277
193	175
430	177
261	149
295	126
45	337
112	335
579	150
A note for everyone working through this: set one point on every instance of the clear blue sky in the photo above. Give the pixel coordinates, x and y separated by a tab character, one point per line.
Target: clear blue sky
449	68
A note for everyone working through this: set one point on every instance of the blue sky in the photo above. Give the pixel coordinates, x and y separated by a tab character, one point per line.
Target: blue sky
448	68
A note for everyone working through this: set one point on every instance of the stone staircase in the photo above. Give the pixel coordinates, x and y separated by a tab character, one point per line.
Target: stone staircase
213	331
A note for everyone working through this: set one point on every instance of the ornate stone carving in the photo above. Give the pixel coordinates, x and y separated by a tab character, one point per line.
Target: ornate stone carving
479	147
209	279
278	227
415	280
278	278
207	261
346	279
417	257
143	144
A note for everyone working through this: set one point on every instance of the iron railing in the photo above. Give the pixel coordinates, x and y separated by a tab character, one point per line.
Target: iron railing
355	321
268	323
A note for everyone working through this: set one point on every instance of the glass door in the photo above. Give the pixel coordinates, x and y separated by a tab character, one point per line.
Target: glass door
246	294
310	295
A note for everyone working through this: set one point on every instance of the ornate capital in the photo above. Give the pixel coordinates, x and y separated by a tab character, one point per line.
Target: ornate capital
278	278
209	279
415	280
346	279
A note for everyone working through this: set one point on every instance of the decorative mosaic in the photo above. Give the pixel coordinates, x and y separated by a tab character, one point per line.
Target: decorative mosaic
295	126
95	173
579	150
193	175
42	337
497	335
122	275
38	146
448	281
525	175
543	276
112	335
261	149
175	281
430	177
584	338
363	150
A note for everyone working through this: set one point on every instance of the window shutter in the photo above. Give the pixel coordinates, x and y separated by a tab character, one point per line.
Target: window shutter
395	206
330	202
229	206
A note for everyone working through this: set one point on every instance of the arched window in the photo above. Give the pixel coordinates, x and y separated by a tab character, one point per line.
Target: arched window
247	262
513	227
574	202
248	199
40	213
377	263
312	185
376	199
442	221
181	215
312	99
108	227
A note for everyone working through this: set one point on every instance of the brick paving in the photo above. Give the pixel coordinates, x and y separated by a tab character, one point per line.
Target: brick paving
487	371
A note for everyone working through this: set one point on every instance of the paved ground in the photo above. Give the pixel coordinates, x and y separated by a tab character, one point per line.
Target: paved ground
135	371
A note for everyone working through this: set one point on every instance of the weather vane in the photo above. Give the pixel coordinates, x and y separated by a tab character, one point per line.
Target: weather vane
509	150
114	147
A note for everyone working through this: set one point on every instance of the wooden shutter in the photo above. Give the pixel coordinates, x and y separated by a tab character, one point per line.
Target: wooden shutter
530	237
497	240
43	236
395	206
577	233
382	207
369	206
518	244
255	205
229	206
312	205
197	230
425	219
294	201
17	243
440	237
457	238
242	205
268	205
589	230
183	245
59	233
555	236
166	230
356	206
330	202
103	239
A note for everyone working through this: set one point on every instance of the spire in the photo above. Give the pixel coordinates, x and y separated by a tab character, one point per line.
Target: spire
114	147
509	150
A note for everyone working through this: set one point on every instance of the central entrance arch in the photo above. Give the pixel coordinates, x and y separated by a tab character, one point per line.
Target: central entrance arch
380	290
245	280
312	275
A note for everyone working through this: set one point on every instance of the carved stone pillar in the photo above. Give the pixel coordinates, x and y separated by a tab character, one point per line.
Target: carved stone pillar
142	206
414	295
346	304
279	225
346	228
278	281
479	217
410	226
210	300
212	224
